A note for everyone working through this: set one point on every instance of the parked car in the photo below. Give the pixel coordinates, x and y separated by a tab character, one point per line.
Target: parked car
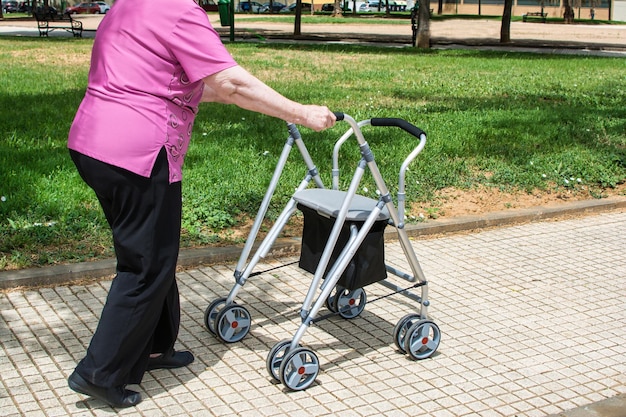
24	7
104	7
306	7
249	7
93	8
276	7
208	5
373	6
9	6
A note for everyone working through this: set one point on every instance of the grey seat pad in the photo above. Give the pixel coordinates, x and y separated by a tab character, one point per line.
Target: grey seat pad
328	203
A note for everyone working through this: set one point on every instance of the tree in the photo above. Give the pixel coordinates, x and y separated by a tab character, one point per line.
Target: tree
297	25
568	12
423	26
337	10
505	29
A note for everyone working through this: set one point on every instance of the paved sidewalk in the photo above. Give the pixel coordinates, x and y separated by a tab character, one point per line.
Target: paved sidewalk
532	319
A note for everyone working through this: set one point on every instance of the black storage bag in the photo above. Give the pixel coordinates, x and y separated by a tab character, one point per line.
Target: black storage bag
367	266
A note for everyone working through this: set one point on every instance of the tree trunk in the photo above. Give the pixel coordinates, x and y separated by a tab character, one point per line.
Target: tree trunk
337	11
568	13
505	29
423	27
297	24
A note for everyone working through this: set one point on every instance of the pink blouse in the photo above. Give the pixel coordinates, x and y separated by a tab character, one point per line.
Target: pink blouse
145	83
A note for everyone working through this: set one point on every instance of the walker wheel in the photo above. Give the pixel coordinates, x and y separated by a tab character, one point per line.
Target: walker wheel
350	303
422	339
331	301
210	314
275	358
232	323
299	369
399	332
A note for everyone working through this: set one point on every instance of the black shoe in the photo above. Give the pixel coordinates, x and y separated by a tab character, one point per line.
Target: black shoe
115	397
171	361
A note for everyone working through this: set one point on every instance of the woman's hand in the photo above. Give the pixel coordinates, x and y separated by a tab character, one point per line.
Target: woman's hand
317	117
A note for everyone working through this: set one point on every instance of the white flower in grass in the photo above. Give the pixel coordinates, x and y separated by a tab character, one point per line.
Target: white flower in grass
579	180
365	189
3	199
544	176
265	153
566	181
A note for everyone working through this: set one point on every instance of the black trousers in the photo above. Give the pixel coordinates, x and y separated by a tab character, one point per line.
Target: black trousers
142	311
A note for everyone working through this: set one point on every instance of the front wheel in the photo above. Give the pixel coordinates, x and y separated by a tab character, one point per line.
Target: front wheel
299	369
422	339
400	331
275	358
210	314
232	323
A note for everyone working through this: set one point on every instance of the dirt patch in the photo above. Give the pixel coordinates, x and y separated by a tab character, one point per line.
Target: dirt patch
451	202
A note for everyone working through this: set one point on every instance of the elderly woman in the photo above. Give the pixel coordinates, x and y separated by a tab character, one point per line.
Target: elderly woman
153	62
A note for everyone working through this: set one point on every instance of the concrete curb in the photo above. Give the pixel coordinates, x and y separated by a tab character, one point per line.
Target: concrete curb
189	258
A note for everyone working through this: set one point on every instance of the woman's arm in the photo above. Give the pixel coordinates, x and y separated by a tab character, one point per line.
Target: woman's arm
237	86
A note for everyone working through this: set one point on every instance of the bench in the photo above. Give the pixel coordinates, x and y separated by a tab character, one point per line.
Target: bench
75	27
535	15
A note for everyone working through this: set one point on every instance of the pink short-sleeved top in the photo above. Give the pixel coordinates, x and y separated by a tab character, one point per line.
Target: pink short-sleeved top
145	83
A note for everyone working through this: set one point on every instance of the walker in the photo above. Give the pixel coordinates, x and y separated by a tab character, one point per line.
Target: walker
343	247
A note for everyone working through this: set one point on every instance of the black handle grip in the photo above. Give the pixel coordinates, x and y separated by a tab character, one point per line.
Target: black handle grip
338	115
401	123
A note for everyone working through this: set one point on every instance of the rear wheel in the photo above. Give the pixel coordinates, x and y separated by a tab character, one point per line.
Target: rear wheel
350	303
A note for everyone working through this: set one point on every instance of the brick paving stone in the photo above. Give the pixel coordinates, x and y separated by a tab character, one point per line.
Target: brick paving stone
512	304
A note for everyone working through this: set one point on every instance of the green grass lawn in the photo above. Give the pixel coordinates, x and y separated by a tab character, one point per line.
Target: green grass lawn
513	121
